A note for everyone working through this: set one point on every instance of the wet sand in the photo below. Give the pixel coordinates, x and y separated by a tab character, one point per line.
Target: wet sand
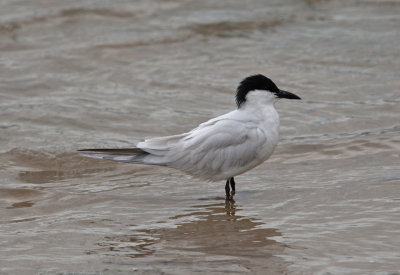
106	74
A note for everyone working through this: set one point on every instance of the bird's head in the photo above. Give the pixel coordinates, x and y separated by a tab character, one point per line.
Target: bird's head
260	83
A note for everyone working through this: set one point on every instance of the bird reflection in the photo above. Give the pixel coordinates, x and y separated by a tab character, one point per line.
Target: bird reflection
210	229
230	207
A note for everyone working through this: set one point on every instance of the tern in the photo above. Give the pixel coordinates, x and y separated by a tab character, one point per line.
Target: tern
220	148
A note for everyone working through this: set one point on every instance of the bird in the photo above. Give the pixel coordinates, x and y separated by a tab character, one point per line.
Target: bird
220	148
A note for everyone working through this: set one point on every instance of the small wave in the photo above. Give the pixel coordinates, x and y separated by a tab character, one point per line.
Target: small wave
43	166
231	28
13	26
337	148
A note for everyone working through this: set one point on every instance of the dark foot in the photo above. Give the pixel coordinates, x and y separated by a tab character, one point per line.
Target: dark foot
227	191
229	194
232	182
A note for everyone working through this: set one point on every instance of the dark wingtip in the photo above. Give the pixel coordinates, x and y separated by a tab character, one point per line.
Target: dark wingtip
121	151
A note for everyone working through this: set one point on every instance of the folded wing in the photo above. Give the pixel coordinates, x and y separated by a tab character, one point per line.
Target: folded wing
218	150
215	150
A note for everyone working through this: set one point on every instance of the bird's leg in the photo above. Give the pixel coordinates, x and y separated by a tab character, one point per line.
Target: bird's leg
229	194
227	190
232	181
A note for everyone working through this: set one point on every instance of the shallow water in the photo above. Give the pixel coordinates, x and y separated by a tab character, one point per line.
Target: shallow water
78	74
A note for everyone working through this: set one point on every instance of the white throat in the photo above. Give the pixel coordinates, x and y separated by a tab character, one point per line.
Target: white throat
259	99
260	106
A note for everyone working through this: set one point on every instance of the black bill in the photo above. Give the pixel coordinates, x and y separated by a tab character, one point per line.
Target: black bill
285	94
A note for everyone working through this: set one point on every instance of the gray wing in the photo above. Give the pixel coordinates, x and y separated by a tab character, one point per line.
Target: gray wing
218	150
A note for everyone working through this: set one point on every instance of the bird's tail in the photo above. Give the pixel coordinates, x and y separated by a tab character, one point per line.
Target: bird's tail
130	155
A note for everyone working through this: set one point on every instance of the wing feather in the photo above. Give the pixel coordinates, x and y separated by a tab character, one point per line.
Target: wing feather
133	155
218	148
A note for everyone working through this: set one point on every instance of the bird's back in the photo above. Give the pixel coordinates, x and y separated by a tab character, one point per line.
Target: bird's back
220	148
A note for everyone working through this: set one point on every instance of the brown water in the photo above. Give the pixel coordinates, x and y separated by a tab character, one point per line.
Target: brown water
77	74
